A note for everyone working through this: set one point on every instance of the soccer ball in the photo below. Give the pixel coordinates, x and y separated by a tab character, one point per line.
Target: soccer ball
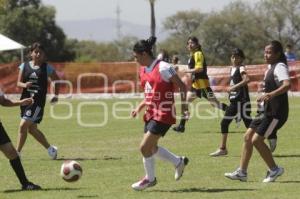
70	171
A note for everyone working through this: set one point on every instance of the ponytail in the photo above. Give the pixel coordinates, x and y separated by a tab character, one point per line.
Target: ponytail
145	46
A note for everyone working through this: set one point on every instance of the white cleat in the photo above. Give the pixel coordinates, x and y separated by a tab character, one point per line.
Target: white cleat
143	184
272	175
237	175
180	167
219	152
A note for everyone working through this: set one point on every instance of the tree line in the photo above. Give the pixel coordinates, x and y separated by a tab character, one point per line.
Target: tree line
239	24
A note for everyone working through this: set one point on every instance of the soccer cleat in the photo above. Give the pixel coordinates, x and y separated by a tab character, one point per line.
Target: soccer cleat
272	175
143	184
272	144
52	152
219	152
237	175
30	186
179	129
180	167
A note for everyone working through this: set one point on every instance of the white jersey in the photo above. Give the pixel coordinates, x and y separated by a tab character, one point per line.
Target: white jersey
281	72
166	70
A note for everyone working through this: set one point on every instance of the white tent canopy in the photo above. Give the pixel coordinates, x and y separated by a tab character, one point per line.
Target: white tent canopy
9	44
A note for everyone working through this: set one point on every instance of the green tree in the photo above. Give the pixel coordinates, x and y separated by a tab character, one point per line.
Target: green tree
28	21
180	26
280	20
234	26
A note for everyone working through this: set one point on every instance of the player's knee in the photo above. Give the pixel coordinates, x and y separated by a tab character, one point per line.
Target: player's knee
146	151
247	138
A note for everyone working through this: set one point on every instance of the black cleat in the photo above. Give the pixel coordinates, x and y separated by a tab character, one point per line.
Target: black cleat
179	129
30	186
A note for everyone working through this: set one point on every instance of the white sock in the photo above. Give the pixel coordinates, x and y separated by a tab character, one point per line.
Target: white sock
166	155
149	168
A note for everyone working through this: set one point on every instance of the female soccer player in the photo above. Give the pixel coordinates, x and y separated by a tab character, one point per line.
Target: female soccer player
239	99
200	83
33	78
158	79
274	116
9	150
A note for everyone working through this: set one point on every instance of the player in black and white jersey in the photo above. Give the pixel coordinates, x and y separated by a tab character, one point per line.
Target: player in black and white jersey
273	117
239	99
33	78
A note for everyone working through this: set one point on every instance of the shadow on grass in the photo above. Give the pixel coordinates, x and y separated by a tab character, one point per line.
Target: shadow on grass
88	196
287	156
291	181
192	190
46	189
83	159
218	132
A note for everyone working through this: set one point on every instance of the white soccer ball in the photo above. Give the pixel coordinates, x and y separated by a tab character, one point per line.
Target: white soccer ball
70	171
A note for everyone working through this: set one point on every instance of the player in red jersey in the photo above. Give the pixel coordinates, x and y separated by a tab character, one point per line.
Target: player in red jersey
158	79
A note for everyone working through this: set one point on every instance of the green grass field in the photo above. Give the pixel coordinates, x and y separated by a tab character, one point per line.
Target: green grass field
111	160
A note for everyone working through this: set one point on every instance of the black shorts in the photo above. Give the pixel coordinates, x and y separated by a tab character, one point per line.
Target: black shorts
4	139
203	92
33	113
156	128
267	126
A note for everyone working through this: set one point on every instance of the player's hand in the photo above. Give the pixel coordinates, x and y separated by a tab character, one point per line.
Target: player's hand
28	84
134	113
54	100
230	89
264	98
27	101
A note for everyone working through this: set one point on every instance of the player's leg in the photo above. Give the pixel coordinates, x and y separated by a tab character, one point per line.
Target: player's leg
230	113
191	96
210	96
41	138
22	134
10	152
147	147
247	150
268	126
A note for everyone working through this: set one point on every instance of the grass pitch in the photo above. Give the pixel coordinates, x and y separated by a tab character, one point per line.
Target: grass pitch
111	160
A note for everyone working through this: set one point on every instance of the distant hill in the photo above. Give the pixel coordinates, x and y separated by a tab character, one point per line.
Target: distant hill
102	30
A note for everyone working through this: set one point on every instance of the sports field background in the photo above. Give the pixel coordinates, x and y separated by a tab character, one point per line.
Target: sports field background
111	160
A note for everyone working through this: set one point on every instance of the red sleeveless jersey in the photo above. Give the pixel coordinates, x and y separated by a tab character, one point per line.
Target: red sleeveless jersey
159	96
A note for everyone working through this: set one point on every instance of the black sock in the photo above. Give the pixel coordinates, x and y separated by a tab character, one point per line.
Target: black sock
182	122
19	171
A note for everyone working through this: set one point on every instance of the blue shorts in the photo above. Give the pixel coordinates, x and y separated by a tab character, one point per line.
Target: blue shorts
156	128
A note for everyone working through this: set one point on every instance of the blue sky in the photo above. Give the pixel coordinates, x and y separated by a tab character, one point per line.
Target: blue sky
135	11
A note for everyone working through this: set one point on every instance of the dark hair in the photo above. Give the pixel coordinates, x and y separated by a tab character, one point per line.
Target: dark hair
145	46
36	45
277	48
196	41
238	52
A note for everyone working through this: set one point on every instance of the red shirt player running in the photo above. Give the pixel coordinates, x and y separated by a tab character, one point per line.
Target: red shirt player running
158	79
